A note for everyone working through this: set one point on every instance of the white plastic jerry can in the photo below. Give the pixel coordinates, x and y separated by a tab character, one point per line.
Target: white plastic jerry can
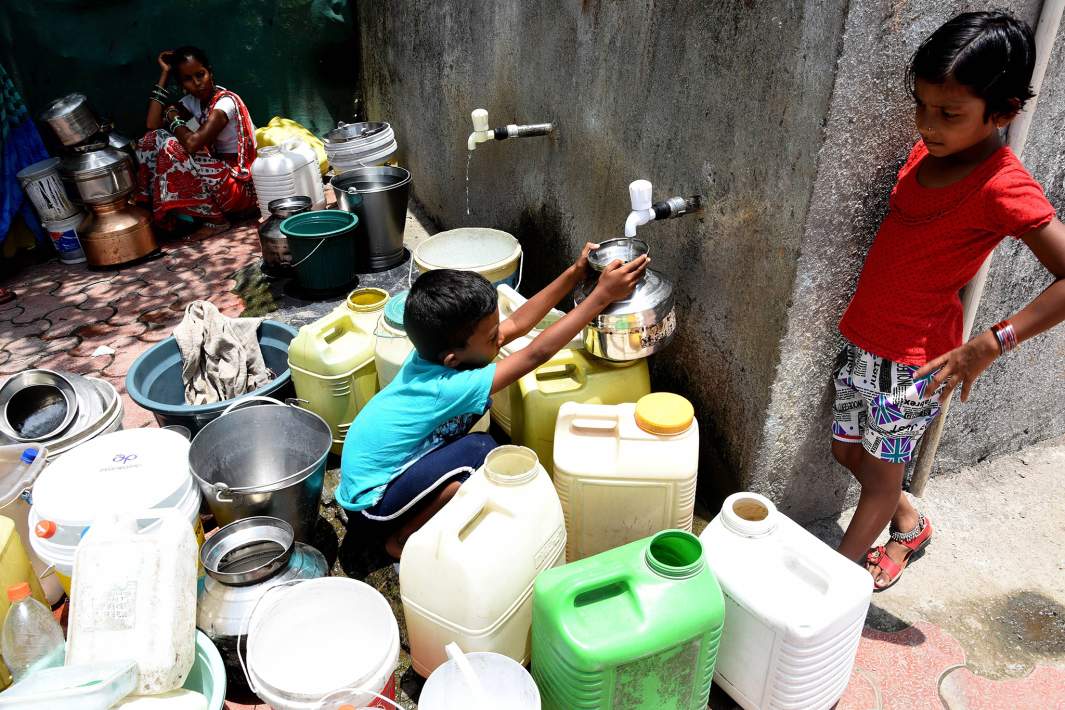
133	596
625	472
467	575
794	608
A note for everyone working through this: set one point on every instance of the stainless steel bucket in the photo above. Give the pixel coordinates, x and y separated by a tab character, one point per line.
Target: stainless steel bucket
378	195
263	460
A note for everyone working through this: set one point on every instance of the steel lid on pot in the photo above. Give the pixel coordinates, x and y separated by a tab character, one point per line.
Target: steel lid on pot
96	163
248	550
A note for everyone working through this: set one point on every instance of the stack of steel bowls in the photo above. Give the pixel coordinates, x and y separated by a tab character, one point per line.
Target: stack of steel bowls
356	145
57	410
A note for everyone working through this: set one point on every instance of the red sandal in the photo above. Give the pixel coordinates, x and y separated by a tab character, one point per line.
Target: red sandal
915	540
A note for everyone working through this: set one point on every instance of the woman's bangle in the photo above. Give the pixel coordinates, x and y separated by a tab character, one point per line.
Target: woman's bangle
157	100
176	124
1005	335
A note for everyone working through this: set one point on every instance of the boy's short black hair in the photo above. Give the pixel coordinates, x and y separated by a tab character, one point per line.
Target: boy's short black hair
991	53
443	309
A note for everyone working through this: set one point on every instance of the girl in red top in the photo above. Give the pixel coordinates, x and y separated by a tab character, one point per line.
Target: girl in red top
960	192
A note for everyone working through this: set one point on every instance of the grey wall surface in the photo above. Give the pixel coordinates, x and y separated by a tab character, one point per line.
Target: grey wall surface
657	90
792	119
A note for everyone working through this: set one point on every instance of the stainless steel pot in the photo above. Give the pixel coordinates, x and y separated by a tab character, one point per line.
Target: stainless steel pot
277	257
100	176
243	560
263	460
72	119
633	328
378	195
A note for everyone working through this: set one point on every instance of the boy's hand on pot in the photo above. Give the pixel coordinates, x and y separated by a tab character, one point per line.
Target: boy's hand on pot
619	279
961	365
581	265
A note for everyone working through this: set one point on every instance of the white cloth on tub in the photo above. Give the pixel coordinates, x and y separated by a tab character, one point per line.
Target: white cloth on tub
220	356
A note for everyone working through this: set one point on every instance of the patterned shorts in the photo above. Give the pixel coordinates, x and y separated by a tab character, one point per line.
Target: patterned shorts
880	404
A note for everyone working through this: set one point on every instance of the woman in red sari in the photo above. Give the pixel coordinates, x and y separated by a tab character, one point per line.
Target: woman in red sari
196	158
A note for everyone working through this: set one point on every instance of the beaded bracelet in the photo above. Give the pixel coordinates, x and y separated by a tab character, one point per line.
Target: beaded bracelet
1005	335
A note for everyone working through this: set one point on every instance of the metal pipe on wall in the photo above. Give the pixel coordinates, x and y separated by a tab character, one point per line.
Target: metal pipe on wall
1045	32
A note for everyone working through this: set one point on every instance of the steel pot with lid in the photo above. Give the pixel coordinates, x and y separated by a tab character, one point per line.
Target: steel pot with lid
637	326
244	560
100	175
72	119
277	257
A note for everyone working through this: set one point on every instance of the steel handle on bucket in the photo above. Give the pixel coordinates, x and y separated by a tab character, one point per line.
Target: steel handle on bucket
224	493
245	628
241	401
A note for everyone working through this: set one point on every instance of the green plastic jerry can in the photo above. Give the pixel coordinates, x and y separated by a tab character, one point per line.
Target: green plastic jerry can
633	628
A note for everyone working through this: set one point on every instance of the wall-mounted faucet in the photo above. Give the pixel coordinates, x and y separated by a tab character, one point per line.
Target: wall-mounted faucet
482	133
644	211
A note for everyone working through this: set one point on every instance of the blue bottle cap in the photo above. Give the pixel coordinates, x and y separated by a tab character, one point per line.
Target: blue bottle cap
29	455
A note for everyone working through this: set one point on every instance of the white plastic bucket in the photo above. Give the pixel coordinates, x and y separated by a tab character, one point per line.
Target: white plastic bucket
492	253
42	185
125	471
505	682
64	235
309	639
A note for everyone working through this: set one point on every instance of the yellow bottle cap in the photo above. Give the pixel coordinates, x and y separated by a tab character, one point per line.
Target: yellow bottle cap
664	413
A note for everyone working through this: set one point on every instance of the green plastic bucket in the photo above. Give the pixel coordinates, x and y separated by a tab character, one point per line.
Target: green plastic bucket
323	249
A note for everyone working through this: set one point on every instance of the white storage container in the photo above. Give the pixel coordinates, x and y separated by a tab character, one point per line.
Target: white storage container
126	471
134	596
309	177
392	346
467	575
274	174
65	237
86	687
44	187
794	609
624	472
309	639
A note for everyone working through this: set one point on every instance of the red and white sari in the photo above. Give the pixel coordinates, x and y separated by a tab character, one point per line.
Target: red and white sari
204	186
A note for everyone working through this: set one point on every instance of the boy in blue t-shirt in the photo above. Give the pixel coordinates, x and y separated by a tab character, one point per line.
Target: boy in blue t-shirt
408	450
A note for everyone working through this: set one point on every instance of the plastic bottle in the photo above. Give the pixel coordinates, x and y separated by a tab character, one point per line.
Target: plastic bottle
32	639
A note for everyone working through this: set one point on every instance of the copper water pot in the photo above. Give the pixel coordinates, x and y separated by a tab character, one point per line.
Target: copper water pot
120	232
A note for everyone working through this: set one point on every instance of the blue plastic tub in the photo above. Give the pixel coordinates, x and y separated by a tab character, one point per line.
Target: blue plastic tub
154	381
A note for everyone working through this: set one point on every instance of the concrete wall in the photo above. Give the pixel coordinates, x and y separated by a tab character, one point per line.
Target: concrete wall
869	130
792	119
656	90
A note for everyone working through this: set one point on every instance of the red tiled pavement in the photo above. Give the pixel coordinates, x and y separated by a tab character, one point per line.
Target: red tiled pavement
903	666
1043	689
64	313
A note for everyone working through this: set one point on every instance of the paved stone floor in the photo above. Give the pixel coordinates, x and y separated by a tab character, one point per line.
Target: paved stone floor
919	650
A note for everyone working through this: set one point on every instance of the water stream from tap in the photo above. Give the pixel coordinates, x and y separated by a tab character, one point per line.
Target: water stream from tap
469	159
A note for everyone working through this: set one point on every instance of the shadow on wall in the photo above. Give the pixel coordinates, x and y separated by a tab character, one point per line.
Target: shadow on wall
297	59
